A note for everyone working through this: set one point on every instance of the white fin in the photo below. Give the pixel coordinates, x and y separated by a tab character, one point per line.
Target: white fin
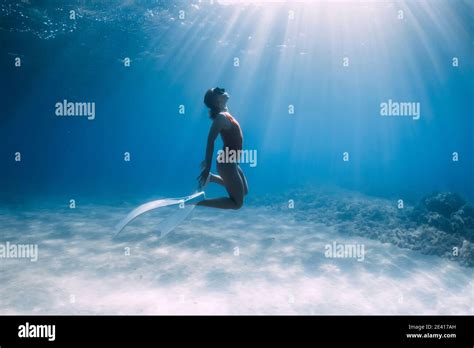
146	207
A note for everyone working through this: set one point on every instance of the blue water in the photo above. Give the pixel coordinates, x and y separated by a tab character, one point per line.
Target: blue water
290	55
282	62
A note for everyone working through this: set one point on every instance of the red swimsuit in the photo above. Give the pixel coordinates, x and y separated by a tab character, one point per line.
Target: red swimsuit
232	137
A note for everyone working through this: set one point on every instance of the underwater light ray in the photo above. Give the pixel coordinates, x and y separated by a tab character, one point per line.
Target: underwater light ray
423	38
386	66
167	55
219	62
184	48
360	113
159	38
312	30
419	69
239	20
210	60
256	50
315	80
379	42
443	18
230	25
345	39
281	98
173	36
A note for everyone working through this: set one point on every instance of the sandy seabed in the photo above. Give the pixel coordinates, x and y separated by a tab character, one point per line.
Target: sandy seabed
258	260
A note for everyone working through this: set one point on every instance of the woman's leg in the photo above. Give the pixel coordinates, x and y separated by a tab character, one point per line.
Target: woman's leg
244	180
235	188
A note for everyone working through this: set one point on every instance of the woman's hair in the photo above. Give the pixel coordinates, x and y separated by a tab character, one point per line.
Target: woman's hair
211	99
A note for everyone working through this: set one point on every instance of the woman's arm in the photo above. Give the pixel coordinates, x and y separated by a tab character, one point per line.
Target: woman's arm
216	127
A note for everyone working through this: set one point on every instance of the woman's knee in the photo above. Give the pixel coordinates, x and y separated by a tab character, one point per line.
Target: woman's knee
238	203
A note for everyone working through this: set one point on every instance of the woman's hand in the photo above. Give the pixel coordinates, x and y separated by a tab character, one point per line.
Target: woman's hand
202	178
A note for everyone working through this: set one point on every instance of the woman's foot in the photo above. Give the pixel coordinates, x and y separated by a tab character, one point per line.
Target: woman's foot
201	187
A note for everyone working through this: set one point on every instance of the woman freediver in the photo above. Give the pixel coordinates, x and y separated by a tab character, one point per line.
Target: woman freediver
230	175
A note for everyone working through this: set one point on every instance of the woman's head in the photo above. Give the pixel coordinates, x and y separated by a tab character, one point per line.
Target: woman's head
216	100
